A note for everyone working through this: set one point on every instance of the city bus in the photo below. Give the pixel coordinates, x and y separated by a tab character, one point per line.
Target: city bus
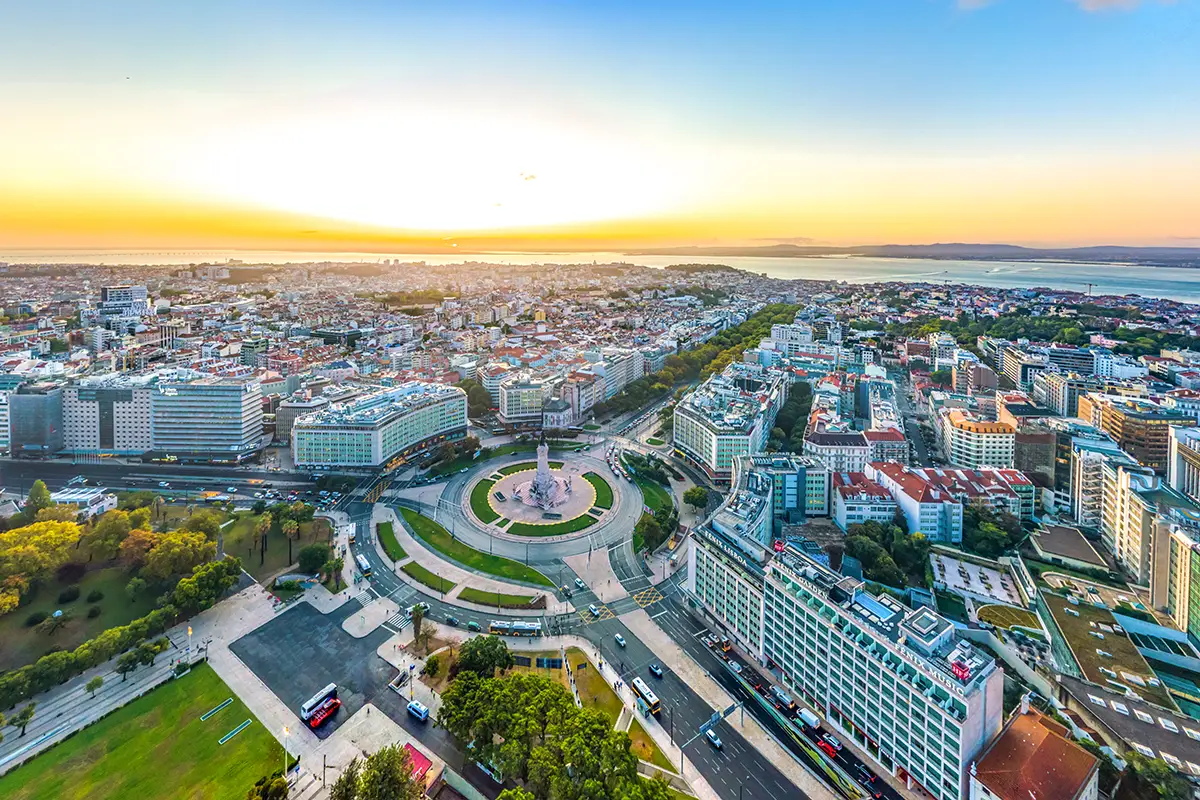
502	628
363	566
317	700
642	690
498	628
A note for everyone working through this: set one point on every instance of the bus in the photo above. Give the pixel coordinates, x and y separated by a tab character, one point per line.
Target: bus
363	566
501	628
317	700
642	690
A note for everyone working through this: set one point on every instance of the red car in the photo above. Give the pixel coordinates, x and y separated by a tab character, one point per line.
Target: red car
827	748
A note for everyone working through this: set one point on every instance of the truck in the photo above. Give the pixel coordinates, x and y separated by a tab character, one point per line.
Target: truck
809	718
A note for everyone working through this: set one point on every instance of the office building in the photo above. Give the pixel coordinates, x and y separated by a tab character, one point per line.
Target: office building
5	423
380	430
109	414
202	418
35	415
729	415
1140	427
800	486
921	702
1021	367
521	399
292	409
1060	391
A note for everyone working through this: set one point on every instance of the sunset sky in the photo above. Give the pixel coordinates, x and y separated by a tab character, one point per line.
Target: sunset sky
518	125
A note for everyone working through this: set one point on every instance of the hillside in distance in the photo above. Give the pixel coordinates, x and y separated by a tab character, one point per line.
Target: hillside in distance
1148	256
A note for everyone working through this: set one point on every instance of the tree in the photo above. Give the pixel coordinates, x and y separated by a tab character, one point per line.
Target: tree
134	587
54	623
484	655
94	685
59	512
418	623
1153	774
38	498
261	530
516	793
30	553
24	717
136	547
291	529
346	786
649	531
205	521
178	553
333	569
3	722
107	533
942	377
140	517
312	557
432	665
386	774
696	497
127	663
269	787
446	452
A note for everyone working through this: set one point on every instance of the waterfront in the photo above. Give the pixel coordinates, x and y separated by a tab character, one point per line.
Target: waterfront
1111	279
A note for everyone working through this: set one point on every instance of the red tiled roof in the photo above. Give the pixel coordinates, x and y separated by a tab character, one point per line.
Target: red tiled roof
1032	758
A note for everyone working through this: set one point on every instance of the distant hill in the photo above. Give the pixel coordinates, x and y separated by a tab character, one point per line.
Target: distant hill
1151	256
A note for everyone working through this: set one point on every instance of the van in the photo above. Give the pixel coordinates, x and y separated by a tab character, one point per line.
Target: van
783	697
418	709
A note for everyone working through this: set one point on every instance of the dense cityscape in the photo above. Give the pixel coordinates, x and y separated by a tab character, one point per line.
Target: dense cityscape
596	530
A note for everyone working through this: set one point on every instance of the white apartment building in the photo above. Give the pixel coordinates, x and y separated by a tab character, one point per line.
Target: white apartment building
491	376
972	443
856	500
1135	503
730	415
621	368
1183	461
927	507
842	451
521	399
381	429
918	700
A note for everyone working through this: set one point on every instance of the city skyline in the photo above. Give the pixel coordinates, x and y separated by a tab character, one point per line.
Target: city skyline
368	127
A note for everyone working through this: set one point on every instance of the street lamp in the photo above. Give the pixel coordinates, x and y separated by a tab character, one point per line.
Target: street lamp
285	757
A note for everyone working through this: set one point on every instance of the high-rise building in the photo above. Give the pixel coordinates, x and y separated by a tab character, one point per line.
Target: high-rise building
1088	457
36	420
921	702
1140	427
521	399
972	443
381	429
1183	462
109	414
1060	391
1135	502
206	419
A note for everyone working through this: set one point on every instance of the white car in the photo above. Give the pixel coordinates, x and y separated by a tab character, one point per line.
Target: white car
620	639
579	582
231	490
595	611
164	484
713	739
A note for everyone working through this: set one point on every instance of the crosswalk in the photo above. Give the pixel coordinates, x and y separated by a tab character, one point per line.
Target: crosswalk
397	620
364	597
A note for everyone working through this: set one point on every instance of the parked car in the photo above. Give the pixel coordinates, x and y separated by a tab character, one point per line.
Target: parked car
656	670
419	710
713	739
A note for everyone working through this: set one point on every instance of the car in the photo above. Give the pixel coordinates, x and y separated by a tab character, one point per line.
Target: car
656	670
164	484
231	490
827	749
833	741
473	626
419	710
408	612
864	774
595	611
579	582
713	739
620	640
566	590
452	621
258	495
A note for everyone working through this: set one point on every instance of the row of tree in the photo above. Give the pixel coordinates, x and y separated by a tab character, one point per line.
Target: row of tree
192	594
889	553
791	421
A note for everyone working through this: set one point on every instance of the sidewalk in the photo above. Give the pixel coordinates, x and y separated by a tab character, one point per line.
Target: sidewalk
597	572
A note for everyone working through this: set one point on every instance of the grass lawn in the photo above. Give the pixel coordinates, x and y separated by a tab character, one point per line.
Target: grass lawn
484	598
952	606
591	427
1125	658
645	748
435	582
1006	616
22	645
387	537
481	507
526	465
239	541
604	492
553	528
1036	568
155	748
655	442
654	495
437	537
594	691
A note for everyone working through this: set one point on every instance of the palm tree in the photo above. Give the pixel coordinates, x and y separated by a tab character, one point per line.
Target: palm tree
291	529
261	529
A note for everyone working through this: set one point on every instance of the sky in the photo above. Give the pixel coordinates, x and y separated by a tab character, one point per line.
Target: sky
393	126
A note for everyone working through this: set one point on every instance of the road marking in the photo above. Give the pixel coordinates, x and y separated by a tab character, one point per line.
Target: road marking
659	614
647	597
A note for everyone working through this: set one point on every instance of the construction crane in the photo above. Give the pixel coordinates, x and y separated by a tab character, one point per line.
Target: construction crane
1089	285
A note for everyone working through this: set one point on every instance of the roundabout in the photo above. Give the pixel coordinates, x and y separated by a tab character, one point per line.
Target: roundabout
540	498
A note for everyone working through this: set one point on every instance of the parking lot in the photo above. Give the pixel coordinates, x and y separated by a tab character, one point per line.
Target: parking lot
301	651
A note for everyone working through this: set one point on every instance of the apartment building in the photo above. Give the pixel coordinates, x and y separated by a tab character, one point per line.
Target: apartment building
842	451
800	486
1034	758
382	429
521	399
1183	461
1060	391
971	443
921	702
1140	427
1088	457
729	415
1135	501
857	499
